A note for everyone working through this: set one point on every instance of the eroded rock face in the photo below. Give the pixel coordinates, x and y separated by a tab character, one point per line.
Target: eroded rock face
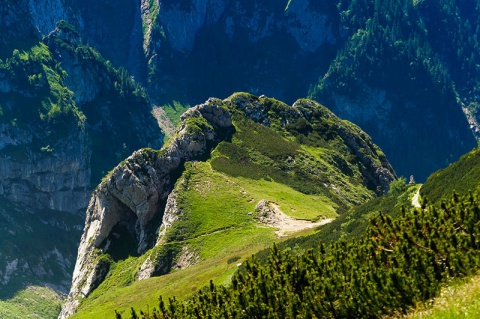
46	14
49	164
309	26
53	176
137	191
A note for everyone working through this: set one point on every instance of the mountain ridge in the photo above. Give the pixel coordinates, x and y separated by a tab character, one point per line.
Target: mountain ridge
144	195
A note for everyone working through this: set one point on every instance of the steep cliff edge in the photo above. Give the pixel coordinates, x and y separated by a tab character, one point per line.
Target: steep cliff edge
45	174
134	193
145	209
67	117
44	148
250	41
117	109
64	108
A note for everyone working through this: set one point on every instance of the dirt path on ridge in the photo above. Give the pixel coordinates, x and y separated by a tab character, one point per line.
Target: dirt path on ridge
287	224
416	199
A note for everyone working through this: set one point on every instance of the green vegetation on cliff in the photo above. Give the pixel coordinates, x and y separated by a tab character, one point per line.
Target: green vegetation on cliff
35	92
116	107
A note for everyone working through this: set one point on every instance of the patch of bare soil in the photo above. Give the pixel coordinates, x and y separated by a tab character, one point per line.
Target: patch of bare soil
416	199
270	214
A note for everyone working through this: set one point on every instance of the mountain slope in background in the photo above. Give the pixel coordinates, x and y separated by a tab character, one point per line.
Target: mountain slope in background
406	72
404	75
234	167
67	117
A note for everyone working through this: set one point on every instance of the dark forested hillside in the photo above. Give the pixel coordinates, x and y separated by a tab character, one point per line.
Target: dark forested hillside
405	71
411	67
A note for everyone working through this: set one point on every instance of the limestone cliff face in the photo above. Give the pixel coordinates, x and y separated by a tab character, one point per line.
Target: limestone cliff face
55	177
160	41
306	22
46	13
116	108
309	25
49	163
37	168
254	40
135	194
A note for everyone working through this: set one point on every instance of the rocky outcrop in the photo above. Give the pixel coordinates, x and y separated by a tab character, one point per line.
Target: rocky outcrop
82	77
137	203
134	195
182	22
46	14
105	95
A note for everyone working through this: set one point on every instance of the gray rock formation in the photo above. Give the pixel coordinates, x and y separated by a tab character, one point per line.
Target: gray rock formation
36	168
309	27
55	177
46	14
135	193
139	194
